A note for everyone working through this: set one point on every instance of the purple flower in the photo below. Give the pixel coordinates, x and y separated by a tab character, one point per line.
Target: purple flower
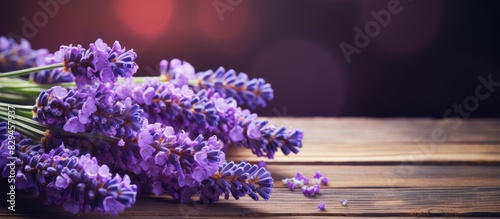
71	206
88	108
100	63
306	191
52	76
73	125
319	178
207	113
261	138
238	180
21	181
310	191
90	166
291	185
3	131
317	175
300	176
177	72
62	181
94	110
147	151
167	156
316	189
252	93
262	164
113	206
161	158
253	131
103	172
322	206
15	56
157	188
324	180
343	202
177	107
64	177
236	134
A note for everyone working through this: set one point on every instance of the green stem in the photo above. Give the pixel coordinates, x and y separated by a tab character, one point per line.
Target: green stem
25	126
31	70
16	106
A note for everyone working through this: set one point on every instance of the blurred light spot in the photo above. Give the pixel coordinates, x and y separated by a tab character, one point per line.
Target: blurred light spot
410	31
147	18
234	31
304	73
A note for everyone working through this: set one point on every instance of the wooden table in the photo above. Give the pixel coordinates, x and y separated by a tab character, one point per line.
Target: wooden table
383	167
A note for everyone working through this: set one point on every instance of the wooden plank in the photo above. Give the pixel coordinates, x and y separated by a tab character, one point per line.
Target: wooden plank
390	130
395	202
362	176
392	153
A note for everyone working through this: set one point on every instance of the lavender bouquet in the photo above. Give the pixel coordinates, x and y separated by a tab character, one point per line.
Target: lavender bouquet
82	133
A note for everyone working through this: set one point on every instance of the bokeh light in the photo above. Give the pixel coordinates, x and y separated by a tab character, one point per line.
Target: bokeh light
148	18
231	31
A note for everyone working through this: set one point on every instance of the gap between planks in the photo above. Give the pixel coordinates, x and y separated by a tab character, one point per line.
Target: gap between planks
383	153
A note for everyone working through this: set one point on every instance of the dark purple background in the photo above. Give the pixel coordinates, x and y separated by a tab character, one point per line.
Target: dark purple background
423	62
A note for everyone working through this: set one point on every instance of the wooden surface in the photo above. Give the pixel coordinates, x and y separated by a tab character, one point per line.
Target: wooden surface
391	168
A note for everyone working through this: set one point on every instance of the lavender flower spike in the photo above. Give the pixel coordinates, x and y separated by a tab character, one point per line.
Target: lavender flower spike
52	76
77	183
177	72
238	180
263	139
177	107
99	63
207	113
94	110
15	56
252	93
167	156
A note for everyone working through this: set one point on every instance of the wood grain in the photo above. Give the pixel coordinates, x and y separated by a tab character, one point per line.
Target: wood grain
394	176
361	202
386	168
392	153
392	130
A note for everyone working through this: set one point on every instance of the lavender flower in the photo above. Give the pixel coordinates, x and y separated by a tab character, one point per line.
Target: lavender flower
164	160
343	202
177	72
300	176
310	191
291	185
317	175
252	93
52	76
207	113
76	182
262	164
3	131
166	155
177	107
15	56
238	180
322	206
99	63
324	180
92	110
262	139
318	178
